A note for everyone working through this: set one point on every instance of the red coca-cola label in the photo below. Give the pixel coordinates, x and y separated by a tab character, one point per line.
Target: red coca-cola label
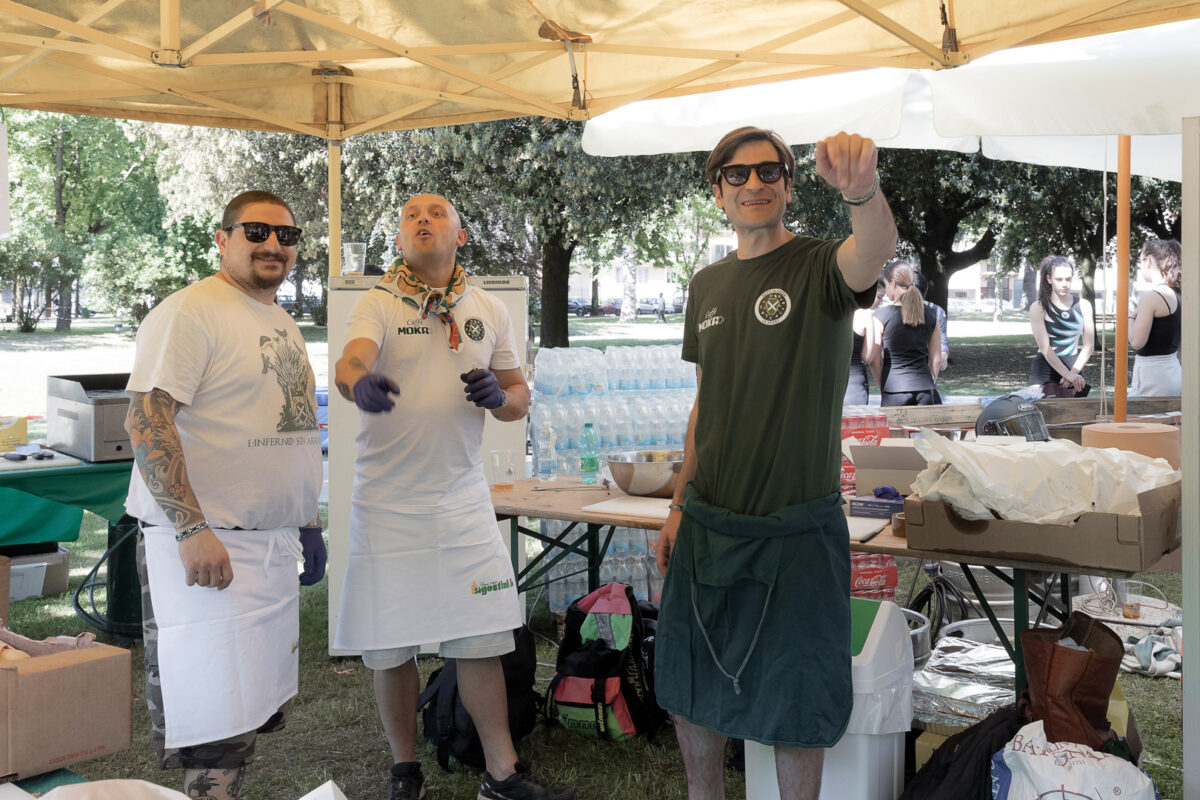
865	578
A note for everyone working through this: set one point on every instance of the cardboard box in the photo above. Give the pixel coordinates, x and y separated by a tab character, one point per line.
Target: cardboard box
39	575
70	702
1124	542
924	746
875	507
13	431
894	462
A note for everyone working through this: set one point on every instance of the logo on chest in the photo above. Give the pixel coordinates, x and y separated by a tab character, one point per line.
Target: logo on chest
473	328
711	320
414	327
772	307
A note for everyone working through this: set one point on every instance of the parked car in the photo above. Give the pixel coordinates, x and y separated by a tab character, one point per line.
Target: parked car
612	306
578	306
647	306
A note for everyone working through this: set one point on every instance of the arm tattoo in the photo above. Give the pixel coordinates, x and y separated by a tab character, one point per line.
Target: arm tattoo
159	455
347	389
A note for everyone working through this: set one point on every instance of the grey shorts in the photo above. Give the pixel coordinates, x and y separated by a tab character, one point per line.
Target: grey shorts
483	646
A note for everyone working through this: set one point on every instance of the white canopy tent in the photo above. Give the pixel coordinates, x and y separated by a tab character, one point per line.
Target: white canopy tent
336	68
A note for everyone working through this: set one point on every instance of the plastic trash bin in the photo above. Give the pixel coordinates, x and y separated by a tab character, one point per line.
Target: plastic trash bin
868	762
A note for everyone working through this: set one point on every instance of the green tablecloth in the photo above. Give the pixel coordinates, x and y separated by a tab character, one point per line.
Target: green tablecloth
45	504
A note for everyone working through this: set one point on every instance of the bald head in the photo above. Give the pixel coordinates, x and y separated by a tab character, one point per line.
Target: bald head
430	234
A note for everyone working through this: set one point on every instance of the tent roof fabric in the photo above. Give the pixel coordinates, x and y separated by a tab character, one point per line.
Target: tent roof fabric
335	68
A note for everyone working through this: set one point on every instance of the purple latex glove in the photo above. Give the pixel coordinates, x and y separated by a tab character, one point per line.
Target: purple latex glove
314	554
372	390
482	388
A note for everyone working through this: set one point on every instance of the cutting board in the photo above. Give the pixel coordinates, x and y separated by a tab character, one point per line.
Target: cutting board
631	506
59	460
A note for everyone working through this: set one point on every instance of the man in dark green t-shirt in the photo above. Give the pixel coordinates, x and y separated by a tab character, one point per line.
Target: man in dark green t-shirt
754	633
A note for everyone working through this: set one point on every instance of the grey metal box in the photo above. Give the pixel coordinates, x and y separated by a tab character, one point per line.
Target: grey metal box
85	416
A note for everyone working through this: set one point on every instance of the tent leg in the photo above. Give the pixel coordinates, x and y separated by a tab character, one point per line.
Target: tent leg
1191	460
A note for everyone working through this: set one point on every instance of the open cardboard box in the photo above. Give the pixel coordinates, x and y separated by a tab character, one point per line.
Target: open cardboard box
1119	542
893	462
70	702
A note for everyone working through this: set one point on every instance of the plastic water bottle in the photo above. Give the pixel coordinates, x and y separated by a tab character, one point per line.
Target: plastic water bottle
589	454
547	458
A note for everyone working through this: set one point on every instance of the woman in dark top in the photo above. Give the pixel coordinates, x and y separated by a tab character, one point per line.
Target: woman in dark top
1154	323
912	344
1063	329
864	356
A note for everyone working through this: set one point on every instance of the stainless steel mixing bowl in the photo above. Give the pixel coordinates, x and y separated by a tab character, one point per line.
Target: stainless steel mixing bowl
646	473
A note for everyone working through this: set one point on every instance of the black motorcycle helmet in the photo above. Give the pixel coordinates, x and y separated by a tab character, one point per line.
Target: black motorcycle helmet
1012	415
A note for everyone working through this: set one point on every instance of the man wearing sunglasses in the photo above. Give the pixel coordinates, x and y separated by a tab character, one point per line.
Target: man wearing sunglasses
222	421
753	637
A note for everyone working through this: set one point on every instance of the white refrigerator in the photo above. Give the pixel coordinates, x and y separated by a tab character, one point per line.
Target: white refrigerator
344	291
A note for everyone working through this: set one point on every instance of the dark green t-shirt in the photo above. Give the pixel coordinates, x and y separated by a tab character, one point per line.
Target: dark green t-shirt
772	338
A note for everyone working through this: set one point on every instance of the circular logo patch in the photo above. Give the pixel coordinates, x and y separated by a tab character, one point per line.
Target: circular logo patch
772	307
473	328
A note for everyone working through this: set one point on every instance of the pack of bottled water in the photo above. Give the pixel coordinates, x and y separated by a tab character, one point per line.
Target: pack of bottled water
638	398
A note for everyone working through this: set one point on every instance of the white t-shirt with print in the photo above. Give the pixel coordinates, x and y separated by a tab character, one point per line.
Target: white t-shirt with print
248	424
424	453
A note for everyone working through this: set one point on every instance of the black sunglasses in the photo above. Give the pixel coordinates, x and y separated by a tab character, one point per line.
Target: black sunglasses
41	455
768	172
288	235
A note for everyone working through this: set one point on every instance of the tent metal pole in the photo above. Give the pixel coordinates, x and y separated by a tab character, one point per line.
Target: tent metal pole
1190	355
1121	345
334	127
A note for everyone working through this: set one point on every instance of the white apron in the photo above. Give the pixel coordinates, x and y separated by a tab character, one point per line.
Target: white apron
228	659
1156	376
422	578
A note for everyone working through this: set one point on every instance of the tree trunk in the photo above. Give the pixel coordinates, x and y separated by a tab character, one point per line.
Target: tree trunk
556	272
596	312
629	287
62	323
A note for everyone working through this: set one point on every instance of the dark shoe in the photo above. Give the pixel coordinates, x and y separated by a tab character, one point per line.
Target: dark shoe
522	786
410	787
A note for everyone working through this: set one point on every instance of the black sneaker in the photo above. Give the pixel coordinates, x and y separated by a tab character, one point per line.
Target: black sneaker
522	786
410	787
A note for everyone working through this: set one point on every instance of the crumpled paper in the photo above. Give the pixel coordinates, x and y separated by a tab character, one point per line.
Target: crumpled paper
1049	482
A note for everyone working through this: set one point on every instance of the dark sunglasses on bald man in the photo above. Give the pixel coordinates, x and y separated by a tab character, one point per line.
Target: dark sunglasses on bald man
258	232
768	172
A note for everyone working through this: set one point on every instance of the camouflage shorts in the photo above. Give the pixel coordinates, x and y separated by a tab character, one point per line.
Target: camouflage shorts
228	753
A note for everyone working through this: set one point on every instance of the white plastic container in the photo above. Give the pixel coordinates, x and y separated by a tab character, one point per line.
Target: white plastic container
868	762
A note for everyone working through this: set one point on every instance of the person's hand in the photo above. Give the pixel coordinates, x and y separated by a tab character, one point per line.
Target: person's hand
371	393
205	561
666	541
482	388
847	163
313	544
1074	380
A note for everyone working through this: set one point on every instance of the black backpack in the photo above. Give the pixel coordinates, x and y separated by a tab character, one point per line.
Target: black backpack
603	683
447	725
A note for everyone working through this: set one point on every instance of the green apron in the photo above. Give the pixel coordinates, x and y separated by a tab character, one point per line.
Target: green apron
753	637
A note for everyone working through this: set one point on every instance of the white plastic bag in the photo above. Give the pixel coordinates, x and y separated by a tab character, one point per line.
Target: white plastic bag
1029	767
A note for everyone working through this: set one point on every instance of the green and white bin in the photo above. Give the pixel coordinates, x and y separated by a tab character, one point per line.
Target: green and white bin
868	762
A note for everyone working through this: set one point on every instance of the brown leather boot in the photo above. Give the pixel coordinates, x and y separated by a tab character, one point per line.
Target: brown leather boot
1069	688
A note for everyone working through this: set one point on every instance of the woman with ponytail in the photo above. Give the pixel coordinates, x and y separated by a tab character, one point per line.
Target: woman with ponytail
912	346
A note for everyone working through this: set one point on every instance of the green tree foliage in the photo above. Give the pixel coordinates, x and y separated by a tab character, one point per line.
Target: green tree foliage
530	195
79	183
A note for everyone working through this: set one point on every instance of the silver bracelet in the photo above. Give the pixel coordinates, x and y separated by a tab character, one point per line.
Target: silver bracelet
187	533
675	507
868	197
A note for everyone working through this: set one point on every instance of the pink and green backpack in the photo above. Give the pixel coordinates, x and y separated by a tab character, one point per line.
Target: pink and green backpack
602	684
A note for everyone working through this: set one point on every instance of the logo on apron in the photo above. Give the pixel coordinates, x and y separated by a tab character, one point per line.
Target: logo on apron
473	328
486	588
772	307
